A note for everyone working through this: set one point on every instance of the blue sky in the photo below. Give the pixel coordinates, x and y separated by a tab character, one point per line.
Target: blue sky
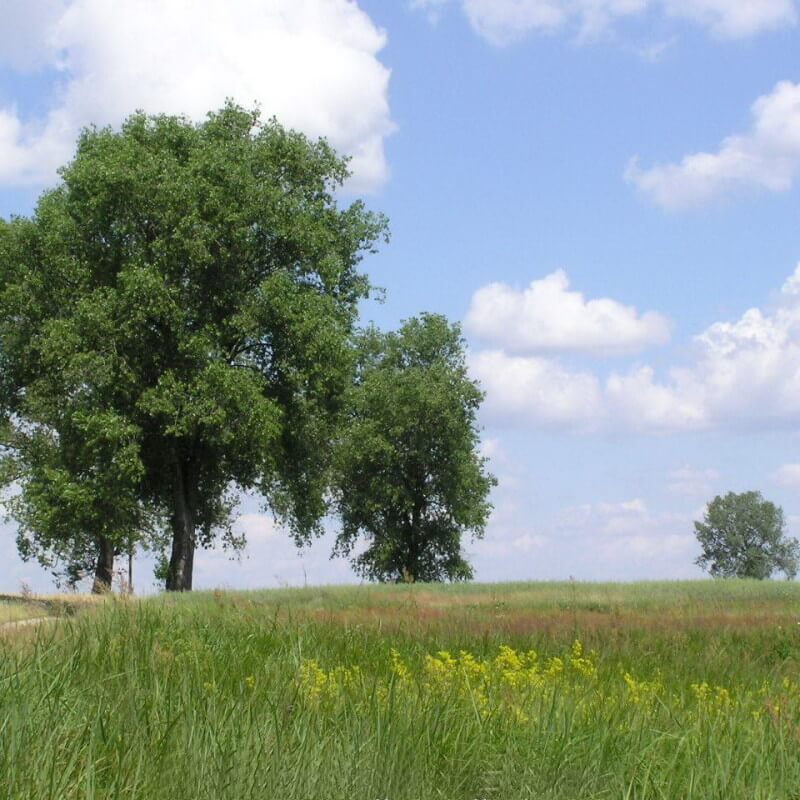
605	193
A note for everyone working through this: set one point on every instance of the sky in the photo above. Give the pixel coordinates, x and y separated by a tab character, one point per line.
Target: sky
603	192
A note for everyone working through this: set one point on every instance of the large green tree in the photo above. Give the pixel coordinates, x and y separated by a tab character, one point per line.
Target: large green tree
196	286
744	536
409	476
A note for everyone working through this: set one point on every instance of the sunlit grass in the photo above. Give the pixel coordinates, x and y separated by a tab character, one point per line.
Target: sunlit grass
644	691
13	612
16	608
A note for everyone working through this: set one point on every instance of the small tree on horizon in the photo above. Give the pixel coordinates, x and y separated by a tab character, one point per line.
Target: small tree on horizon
743	536
410	480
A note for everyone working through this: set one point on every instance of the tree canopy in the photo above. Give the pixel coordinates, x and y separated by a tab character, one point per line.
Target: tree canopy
175	324
743	536
409	476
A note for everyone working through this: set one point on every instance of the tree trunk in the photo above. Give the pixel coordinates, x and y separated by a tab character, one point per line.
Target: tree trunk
181	562
104	568
411	568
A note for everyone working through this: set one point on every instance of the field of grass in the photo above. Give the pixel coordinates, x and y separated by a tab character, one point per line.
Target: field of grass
569	691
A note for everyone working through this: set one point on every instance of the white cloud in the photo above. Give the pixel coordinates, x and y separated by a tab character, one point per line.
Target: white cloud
604	518
504	21
495	547
637	401
744	374
492	449
548	317
636	507
432	8
528	543
312	63
765	159
600	541
270	558
654	51
691	482
28	34
628	538
788	475
536	390
735	19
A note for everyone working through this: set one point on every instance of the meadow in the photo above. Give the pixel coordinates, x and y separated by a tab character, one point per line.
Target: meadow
653	690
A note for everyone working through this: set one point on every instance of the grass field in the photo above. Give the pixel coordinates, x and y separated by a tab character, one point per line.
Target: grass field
673	690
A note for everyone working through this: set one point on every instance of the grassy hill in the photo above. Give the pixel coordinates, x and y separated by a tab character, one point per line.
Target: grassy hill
657	690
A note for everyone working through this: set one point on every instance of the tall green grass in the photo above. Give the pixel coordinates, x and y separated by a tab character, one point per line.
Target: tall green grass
693	692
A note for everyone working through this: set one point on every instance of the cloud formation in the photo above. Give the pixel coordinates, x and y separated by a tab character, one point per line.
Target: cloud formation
502	22
625	538
522	390
547	317
744	375
312	63
691	482
788	475
767	158
270	558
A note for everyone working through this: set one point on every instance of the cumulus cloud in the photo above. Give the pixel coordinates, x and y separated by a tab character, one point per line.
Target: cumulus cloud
744	374
504	21
534	390
767	158
548	317
312	63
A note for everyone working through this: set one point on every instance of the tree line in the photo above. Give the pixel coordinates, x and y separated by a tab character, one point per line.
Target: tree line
179	323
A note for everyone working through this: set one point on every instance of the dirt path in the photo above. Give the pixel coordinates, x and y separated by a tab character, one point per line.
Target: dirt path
7	627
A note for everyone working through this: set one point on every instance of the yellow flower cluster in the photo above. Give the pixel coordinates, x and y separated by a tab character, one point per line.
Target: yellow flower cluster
507	682
642	692
521	687
711	698
317	685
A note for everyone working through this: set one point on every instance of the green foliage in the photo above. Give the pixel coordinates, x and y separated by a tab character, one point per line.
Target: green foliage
197	285
409	476
74	458
743	536
78	492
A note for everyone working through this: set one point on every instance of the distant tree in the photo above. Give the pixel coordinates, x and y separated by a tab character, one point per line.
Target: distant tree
409	476
187	295
743	536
